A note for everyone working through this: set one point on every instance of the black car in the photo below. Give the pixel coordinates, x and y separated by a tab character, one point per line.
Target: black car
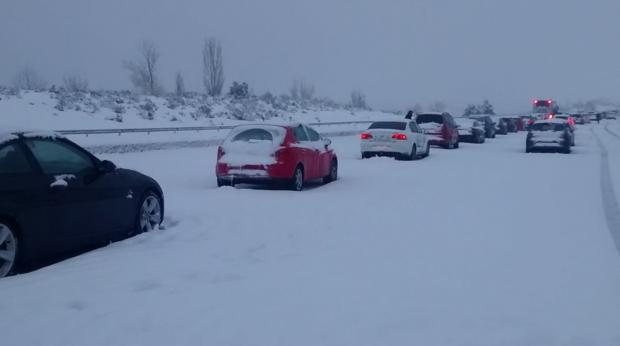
57	198
501	125
511	124
488	124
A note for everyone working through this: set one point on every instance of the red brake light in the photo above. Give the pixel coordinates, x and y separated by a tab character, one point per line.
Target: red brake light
366	135
399	136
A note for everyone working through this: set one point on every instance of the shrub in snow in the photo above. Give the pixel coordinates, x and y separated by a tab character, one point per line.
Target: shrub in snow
203	111
239	90
148	109
268	98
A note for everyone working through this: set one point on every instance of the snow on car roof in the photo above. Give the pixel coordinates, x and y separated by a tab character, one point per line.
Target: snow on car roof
464	121
430	113
550	121
10	134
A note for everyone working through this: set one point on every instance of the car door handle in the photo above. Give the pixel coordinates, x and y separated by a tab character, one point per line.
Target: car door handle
58	186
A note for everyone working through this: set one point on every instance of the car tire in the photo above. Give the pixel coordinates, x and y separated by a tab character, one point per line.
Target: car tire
366	155
224	182
456	145
9	244
428	150
333	173
297	182
414	153
150	213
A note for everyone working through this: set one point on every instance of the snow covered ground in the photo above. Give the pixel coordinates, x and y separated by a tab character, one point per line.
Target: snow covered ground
484	245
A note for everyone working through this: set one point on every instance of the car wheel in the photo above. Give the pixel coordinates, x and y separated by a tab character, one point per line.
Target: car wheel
9	247
333	173
150	213
456	145
366	155
414	153
297	183
224	182
428	150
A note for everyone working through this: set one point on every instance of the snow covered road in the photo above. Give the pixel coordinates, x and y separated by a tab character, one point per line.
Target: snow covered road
484	245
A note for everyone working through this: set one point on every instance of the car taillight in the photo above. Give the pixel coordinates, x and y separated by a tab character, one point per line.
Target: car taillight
366	135
399	136
220	152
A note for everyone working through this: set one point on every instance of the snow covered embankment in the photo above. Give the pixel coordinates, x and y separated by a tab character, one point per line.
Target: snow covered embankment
118	110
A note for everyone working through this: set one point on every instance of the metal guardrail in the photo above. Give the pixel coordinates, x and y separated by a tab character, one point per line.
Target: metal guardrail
185	129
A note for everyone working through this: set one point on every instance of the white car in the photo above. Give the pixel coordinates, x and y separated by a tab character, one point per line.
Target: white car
398	139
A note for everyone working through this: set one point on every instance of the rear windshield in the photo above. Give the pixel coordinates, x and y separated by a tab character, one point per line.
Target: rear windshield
389	125
253	135
547	127
429	118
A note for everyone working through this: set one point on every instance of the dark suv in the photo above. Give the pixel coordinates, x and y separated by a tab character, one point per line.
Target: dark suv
440	129
489	125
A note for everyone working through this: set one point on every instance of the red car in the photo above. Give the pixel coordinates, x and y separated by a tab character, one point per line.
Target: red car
440	129
290	154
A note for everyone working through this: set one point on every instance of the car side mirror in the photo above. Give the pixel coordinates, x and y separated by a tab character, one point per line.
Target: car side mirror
327	142
107	167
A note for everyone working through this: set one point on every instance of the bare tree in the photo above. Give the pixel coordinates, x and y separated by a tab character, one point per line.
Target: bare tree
358	100
302	91
294	90
306	91
179	83
75	83
29	79
213	67
143	71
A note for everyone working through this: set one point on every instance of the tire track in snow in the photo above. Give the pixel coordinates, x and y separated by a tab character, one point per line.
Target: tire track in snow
611	132
610	202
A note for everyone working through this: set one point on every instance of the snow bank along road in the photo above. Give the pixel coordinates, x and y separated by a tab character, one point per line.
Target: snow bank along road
484	245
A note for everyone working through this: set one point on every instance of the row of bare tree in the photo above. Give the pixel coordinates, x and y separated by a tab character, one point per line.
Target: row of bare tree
143	71
144	76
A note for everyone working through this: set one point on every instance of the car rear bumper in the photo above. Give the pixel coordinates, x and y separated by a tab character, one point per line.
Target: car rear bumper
387	148
276	171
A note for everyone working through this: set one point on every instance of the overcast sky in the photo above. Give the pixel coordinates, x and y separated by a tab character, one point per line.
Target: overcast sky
399	52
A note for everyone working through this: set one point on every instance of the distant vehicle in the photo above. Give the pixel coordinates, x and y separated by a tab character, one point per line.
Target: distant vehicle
57	198
528	120
501	125
470	130
400	139
488	123
511	124
581	118
440	129
545	106
549	135
263	154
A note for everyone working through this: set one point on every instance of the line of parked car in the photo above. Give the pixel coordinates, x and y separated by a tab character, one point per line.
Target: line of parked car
56	197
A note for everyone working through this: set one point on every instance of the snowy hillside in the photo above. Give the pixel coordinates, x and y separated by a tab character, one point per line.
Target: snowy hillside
110	109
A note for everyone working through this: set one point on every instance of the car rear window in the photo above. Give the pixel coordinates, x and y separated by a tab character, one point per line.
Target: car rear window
548	127
253	135
389	125
429	118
